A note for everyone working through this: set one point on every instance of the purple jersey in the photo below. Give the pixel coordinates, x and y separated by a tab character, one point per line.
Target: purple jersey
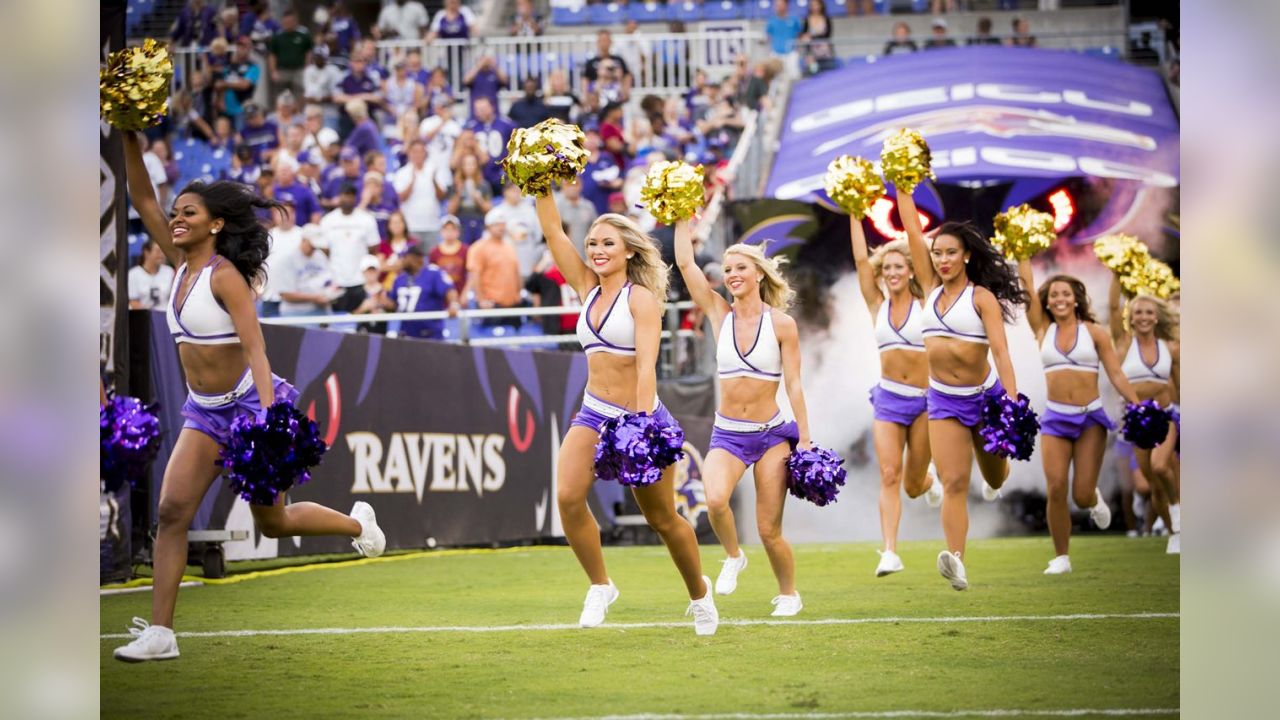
492	138
333	185
364	138
304	201
424	292
261	138
382	209
347	34
358	85
484	85
602	170
453	28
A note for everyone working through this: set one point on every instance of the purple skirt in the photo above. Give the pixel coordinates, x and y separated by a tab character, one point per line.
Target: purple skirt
213	414
595	411
967	409
1124	449
1070	421
749	444
894	406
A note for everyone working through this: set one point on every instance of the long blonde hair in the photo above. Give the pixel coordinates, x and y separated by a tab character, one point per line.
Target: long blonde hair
645	267
900	247
1166	319
774	288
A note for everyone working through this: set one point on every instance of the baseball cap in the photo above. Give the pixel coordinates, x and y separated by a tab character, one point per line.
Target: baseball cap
348	153
450	219
369	262
326	137
320	50
940	23
252	108
440	100
494	217
309	157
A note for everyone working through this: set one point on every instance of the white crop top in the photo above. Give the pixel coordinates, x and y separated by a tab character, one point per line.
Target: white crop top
960	321
763	360
1083	354
908	337
617	331
1137	370
197	318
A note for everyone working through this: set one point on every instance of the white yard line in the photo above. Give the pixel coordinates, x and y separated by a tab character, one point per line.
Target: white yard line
996	713
396	630
144	588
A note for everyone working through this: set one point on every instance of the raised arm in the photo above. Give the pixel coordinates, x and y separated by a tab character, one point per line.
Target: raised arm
700	290
572	266
862	263
230	289
1115	310
1035	313
784	326
1111	361
143	197
648	318
993	323
921	263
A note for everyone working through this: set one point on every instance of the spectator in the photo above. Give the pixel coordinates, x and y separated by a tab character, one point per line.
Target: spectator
421	185
492	132
258	24
413	65
227	24
306	284
862	7
379	203
161	169
525	22
364	136
367	50
530	109
816	35
485	80
422	287
937	7
438	84
260	134
451	254
634	50
576	212
618	204
243	168
544	287
239	79
195	24
403	19
151	279
349	171
188	122
516	213
320	79
1022	36
783	29
472	198
343	32
286	113
376	300
394	243
600	177
561	103
286	237
611	137
493	271
604	53
440	130
309	168
984	36
288	189
901	41
349	234
607	88
359	84
289	54
454	22
940	38
467	144
294	135
401	91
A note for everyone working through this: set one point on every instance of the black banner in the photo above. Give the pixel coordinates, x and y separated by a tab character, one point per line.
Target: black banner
451	445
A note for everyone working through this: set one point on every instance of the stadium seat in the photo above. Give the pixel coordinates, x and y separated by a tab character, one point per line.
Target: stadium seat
567	16
837	8
687	11
759	9
647	12
606	14
799	8
723	10
1105	51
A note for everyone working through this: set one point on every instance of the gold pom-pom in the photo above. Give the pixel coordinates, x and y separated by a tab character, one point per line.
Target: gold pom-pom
548	153
1123	254
853	185
905	159
133	88
1153	278
1021	232
672	191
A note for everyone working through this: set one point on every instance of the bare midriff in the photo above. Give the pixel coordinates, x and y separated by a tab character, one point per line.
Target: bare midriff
612	378
1072	387
747	398
907	367
212	369
1160	392
957	362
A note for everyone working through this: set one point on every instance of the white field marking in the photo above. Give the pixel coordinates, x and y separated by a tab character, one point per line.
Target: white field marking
145	588
639	625
1072	712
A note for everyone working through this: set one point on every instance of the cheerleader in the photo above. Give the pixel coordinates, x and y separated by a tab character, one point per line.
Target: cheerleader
1147	328
214	236
757	346
1073	429
972	292
622	284
899	397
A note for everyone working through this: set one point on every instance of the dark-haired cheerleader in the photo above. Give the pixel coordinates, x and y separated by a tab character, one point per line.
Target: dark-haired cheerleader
1073	430
214	236
971	293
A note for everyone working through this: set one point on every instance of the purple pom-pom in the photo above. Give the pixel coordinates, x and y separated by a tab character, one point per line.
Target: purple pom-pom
270	452
635	447
1009	427
129	437
815	475
1146	424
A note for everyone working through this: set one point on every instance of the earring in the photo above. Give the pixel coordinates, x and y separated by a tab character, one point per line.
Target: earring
630	256
966	262
214	231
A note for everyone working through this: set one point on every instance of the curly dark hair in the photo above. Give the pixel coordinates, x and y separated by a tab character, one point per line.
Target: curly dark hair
1083	312
987	267
243	240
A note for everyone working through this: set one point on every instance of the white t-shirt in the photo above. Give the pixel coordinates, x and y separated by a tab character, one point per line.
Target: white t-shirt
150	290
283	243
348	238
155	170
320	83
441	144
302	273
406	20
422	208
467	15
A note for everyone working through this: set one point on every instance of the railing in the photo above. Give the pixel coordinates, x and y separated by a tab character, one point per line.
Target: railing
1102	41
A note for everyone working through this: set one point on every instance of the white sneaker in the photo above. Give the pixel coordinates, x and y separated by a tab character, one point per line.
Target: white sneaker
150	642
1060	565
889	563
705	616
594	608
1100	513
727	581
786	605
371	541
1133	534
952	569
989	493
933	496
1175	544
1175	518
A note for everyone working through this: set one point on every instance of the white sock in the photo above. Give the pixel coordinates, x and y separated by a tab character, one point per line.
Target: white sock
1175	518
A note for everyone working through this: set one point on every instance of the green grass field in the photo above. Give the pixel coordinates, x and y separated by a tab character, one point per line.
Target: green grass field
1015	660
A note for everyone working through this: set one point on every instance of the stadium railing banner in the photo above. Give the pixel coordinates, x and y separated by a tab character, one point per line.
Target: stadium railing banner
988	113
451	445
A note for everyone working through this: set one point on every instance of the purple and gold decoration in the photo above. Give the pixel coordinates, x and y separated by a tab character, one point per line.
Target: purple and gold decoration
853	185
905	160
635	448
1009	427
672	191
270	452
129	437
547	154
133	88
815	475
1022	232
